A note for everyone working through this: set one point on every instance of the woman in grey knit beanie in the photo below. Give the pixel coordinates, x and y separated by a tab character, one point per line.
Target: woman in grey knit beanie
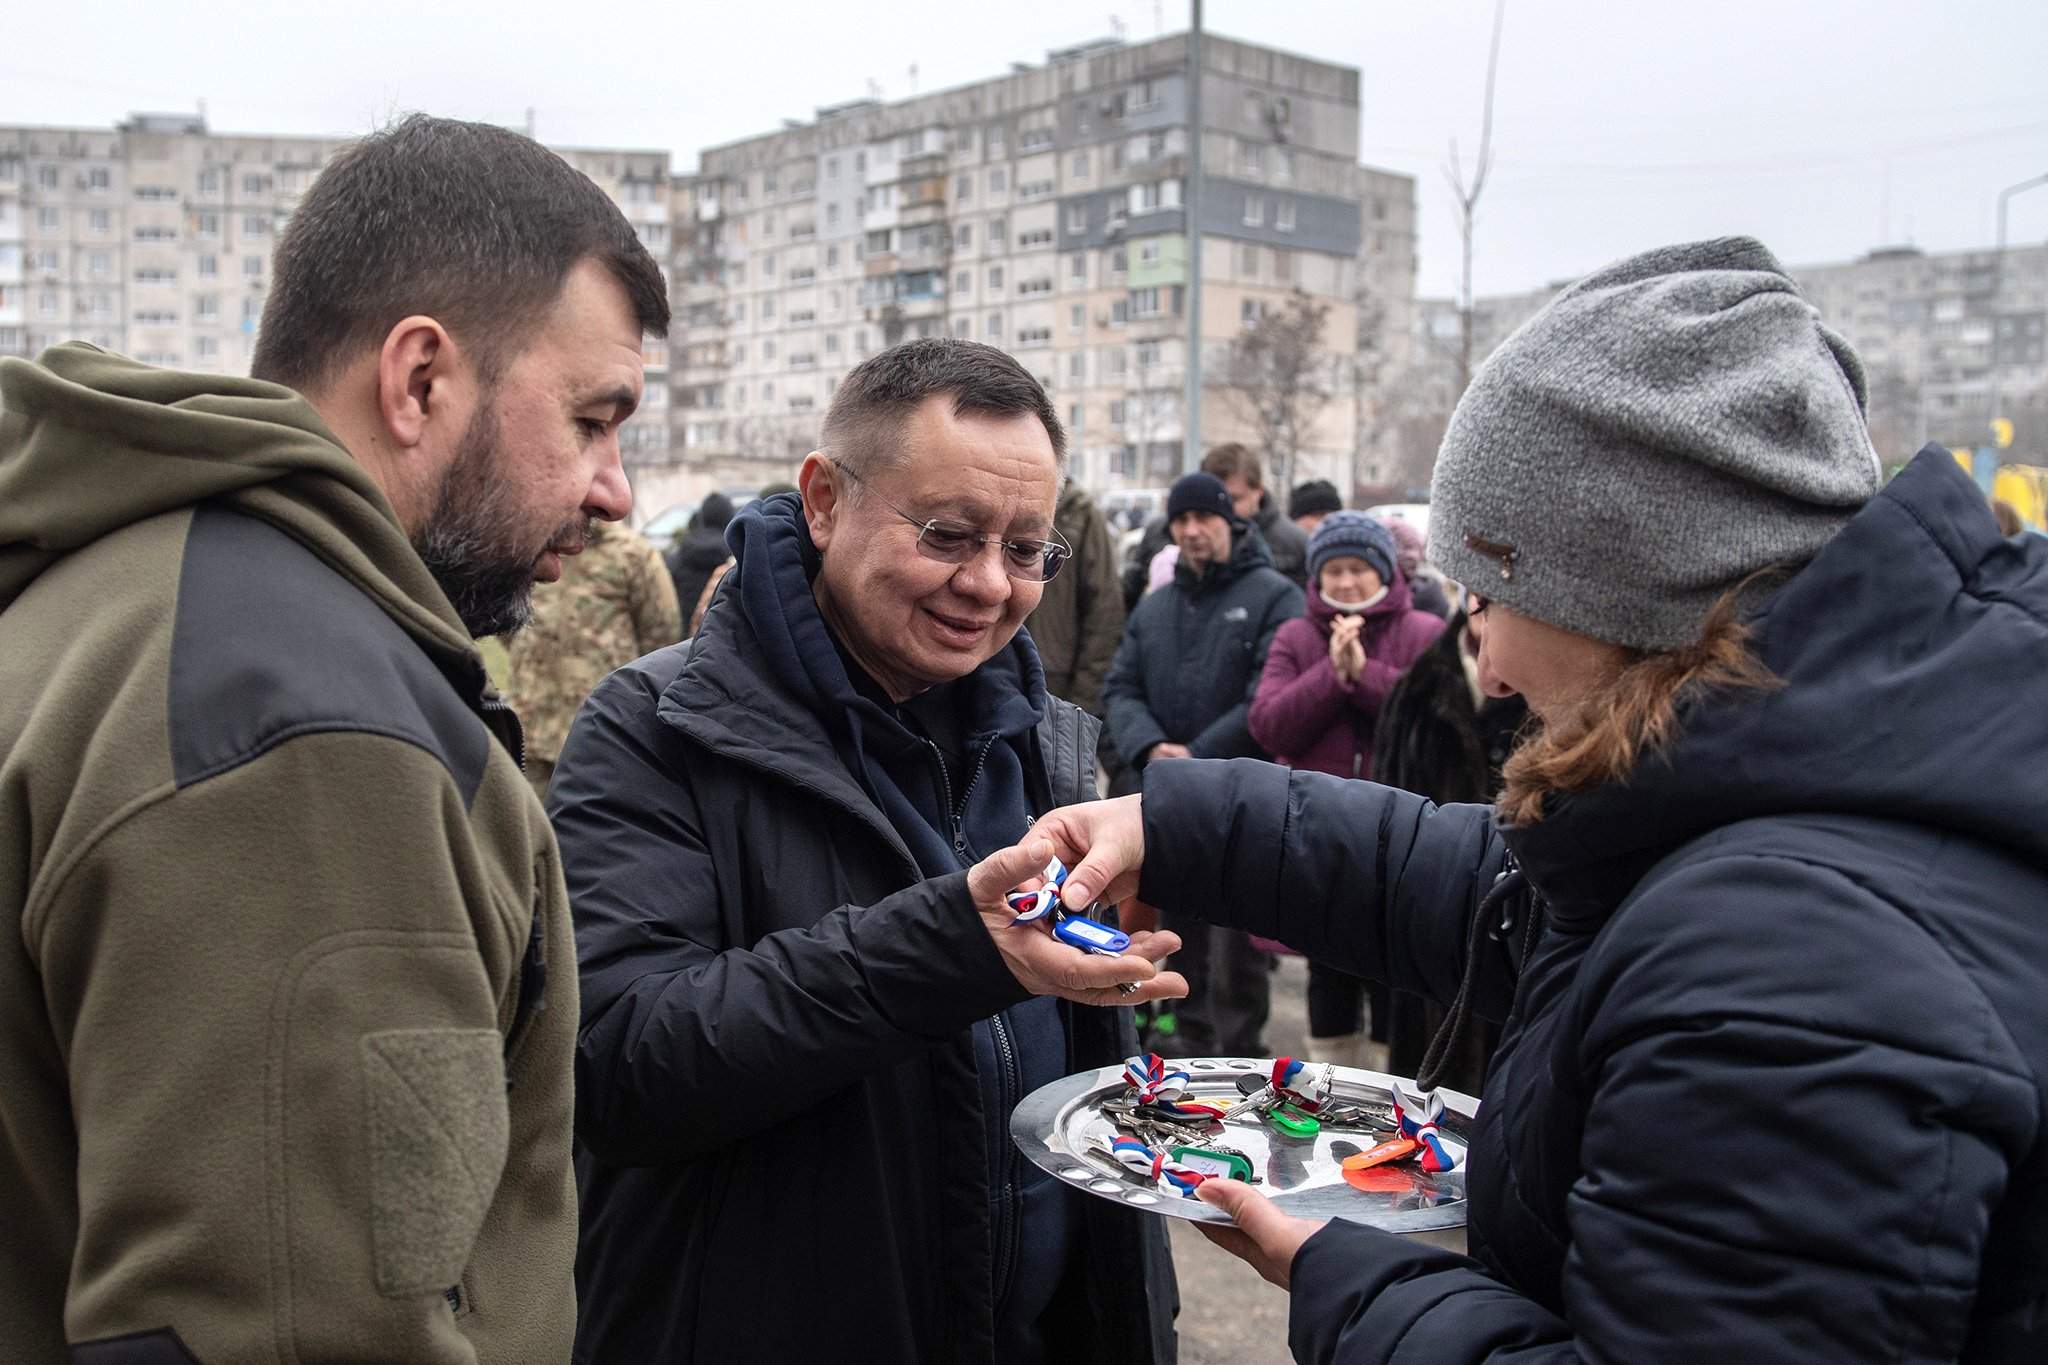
1761	908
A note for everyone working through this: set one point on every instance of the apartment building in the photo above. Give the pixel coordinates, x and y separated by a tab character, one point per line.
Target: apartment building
1043	211
1938	333
153	238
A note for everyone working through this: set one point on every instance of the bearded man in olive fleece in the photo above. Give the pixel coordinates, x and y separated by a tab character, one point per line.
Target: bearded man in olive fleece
287	987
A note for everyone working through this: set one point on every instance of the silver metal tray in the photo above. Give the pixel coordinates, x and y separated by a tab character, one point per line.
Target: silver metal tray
1061	1127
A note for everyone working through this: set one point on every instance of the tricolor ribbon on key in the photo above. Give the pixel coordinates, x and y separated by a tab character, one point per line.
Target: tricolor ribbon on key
1033	905
1418	1116
1154	1165
1308	1088
1152	1084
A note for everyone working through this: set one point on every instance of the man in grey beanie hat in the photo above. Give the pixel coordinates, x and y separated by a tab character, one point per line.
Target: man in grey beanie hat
1662	430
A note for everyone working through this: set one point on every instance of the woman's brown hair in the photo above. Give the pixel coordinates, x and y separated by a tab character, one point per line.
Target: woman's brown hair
1634	713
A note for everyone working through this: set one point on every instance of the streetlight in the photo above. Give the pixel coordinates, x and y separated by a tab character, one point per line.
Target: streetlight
1985	465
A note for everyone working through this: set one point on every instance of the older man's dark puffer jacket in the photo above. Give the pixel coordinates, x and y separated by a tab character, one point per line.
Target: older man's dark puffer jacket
1772	1080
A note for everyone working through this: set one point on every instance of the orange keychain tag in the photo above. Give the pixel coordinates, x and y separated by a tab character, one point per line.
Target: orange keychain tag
1393	1149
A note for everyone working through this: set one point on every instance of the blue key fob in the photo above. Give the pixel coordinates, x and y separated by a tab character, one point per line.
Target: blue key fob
1086	934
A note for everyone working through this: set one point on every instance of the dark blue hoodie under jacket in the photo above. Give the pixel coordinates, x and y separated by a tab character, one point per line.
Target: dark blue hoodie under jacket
1775	1056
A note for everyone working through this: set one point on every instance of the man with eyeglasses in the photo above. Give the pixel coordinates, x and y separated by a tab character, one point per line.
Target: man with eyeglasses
807	1015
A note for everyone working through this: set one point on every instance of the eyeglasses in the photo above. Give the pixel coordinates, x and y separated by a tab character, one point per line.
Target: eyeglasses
950	542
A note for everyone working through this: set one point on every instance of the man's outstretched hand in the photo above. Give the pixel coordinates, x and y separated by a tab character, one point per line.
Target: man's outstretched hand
1041	963
1103	842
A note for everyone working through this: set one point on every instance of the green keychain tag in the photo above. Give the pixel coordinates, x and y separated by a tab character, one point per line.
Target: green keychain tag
1291	1121
1219	1165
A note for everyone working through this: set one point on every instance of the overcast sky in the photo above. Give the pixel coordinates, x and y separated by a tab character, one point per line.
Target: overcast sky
1822	126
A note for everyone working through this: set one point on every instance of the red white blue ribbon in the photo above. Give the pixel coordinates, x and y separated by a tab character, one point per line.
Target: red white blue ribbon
1032	905
1152	1084
1418	1116
1154	1165
1308	1088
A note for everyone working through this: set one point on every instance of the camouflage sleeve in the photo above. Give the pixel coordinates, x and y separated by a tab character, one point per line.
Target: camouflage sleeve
651	598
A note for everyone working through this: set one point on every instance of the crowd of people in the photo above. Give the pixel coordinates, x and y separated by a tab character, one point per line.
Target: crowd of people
1679	792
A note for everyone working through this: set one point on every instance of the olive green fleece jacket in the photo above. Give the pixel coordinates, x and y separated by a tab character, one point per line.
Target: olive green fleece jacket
289	998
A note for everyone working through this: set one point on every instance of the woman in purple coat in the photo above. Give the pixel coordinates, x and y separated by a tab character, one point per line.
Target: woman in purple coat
1319	699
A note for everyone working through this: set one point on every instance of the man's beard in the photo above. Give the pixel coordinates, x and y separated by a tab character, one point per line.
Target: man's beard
474	542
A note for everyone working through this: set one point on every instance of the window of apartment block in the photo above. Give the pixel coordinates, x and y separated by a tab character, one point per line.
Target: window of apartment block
1251	157
208	224
963	186
831	215
767	351
1148	352
1254	210
1119	312
1248	262
831	258
99	180
768	391
831	343
1115	359
255	225
207	307
1119	261
1117	410
255	184
994	329
252	266
962	327
995	139
998	233
1283	215
1148	252
739	311
99	222
209	348
963	280
1077	318
46	303
48	219
209	182
768	182
768	266
1077	219
995	277
767	308
46	177
739	353
998	180
1248	312
963	237
209	267
99	264
1283	163
1077	267
1077	364
1077	166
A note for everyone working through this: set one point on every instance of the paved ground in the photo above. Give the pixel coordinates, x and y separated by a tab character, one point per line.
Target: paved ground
1228	1315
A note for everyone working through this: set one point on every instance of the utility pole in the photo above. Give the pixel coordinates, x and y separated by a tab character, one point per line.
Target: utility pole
1985	463
1191	205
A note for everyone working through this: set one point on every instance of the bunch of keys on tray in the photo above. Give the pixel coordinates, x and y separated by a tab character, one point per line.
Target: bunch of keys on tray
1074	930
1363	1146
1176	1140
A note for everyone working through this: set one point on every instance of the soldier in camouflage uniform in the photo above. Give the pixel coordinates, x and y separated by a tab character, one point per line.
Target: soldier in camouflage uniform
614	603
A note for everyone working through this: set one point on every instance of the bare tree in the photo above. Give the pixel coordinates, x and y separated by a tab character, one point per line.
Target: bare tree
1468	200
1279	379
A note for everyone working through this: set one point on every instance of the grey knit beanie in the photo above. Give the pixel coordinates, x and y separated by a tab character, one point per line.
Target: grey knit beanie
1352	533
1660	431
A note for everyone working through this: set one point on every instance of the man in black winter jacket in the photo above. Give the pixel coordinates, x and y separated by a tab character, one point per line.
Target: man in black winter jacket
1181	687
806	1015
